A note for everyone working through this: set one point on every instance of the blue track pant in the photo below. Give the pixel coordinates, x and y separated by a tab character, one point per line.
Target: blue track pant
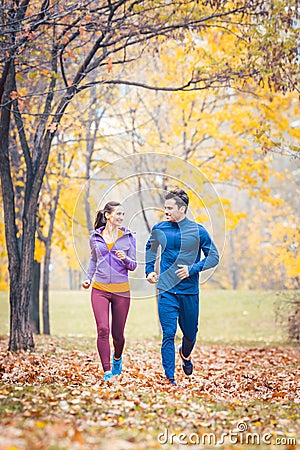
183	308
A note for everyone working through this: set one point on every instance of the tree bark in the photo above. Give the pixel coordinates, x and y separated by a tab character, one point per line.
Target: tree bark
20	275
21	337
35	298
46	274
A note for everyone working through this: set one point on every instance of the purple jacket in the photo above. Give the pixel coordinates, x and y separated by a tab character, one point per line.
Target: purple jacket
104	265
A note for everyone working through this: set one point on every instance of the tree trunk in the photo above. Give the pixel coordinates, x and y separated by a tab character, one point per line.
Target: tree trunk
20	272
21	337
46	274
35	298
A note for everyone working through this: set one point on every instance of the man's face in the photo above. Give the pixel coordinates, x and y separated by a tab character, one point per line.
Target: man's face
172	212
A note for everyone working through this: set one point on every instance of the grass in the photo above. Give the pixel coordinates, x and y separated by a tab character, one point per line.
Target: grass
227	317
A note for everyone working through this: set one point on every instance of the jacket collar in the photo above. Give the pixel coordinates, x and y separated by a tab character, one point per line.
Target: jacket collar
98	231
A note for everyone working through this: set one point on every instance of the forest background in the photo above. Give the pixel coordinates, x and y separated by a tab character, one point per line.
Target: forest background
214	85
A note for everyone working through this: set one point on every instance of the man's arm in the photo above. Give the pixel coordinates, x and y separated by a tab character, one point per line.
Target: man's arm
211	254
151	253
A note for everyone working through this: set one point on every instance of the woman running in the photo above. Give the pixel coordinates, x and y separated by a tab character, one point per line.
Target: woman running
113	254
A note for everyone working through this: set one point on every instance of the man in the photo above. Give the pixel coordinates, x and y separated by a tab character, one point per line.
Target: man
181	241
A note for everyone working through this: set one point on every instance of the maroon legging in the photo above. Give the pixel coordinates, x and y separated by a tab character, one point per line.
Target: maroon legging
101	301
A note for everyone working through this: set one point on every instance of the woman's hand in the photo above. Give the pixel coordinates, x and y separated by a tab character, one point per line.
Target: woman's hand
120	254
86	284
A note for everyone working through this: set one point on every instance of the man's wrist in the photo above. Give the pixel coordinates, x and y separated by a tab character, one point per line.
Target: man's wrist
191	270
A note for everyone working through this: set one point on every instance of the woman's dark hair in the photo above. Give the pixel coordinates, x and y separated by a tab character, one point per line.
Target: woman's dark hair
100	220
180	196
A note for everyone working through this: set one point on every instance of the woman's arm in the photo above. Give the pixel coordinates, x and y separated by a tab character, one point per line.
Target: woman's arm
93	259
130	258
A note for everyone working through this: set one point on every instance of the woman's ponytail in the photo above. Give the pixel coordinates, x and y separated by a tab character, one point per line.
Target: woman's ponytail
100	219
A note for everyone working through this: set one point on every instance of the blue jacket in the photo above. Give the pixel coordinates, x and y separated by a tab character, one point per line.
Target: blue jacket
181	243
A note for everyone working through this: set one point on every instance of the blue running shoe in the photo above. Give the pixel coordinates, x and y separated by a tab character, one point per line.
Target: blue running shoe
187	364
107	375
116	366
172	381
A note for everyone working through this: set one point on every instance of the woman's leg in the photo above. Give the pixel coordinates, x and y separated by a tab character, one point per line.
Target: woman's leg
100	304
119	309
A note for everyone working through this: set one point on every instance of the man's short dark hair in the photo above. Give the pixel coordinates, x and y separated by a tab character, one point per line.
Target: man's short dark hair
180	196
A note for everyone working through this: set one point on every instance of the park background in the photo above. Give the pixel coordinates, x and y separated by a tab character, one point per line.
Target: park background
124	101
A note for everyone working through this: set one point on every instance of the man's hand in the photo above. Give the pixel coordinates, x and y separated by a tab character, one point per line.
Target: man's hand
86	284
182	272
152	277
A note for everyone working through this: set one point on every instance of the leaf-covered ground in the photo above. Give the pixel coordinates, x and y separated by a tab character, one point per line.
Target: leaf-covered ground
55	398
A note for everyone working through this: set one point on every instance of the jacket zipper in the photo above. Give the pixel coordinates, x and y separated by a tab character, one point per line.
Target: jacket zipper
109	252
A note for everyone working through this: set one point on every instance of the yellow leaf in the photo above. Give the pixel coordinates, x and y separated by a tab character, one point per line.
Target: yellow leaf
52	127
77	437
40	424
109	65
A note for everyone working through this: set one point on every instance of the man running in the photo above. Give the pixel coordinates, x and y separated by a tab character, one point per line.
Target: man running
182	241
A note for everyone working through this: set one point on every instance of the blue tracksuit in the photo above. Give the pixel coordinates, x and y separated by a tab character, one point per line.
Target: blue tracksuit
181	243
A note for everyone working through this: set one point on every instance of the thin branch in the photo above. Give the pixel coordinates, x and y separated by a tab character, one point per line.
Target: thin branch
23	139
219	81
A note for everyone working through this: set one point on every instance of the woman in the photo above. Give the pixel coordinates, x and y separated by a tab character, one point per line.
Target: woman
113	254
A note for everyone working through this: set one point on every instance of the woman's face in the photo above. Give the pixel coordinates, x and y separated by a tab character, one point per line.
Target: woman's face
116	217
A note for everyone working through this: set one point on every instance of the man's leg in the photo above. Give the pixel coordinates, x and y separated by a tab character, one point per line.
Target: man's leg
168	310
188	321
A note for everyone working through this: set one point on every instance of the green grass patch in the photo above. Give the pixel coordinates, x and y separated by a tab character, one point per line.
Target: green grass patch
227	317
